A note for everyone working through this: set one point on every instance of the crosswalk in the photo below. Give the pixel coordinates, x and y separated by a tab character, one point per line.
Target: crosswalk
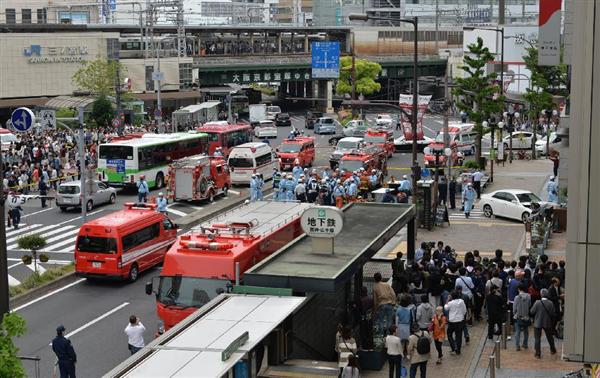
460	215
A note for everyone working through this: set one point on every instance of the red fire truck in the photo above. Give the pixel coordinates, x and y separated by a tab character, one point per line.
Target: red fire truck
382	138
369	158
198	177
222	134
212	257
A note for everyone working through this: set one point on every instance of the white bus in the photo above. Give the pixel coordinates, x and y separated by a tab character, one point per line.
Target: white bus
120	163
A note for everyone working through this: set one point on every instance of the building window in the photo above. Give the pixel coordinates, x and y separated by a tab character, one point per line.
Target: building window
75	18
26	16
185	75
42	16
11	16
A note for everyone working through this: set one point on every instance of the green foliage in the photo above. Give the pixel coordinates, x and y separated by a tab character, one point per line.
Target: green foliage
37	279
546	81
67	113
102	112
12	326
471	164
476	91
32	242
366	76
98	76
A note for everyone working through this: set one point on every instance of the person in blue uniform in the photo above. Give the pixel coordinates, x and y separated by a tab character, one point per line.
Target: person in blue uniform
260	182
297	171
290	187
253	188
468	197
552	189
161	203
65	353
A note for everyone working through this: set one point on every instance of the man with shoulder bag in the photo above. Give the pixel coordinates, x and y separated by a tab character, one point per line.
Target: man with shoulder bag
543	319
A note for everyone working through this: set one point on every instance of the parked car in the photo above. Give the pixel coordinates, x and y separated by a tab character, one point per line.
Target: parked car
521	140
540	144
326	125
311	118
69	195
509	203
283	119
385	120
272	112
355	128
265	129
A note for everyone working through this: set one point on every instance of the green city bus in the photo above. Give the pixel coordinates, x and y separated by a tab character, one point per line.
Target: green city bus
121	163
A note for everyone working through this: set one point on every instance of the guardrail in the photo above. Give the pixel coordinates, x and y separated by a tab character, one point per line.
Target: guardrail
36	361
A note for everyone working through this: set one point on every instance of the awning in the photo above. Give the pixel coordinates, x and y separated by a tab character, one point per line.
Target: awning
71	102
24	101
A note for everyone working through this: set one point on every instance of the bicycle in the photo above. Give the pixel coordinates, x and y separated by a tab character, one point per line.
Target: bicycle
581	373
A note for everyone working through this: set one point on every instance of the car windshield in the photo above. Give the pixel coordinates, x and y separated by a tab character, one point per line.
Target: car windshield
116	152
68	189
283	116
189	291
266	124
374	139
96	244
351	165
289	148
345	145
528	197
274	109
326	121
440	137
240	162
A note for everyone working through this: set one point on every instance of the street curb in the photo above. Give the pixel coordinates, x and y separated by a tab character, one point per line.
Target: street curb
43	289
475	361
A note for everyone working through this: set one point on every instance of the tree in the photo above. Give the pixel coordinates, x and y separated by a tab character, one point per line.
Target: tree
12	326
477	93
98	76
102	112
32	242
67	113
366	74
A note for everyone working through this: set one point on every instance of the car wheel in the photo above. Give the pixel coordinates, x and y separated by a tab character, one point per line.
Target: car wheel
63	209
112	199
525	217
160	180
133	273
89	206
487	211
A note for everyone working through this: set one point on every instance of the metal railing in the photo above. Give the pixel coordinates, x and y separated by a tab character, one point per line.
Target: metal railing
36	361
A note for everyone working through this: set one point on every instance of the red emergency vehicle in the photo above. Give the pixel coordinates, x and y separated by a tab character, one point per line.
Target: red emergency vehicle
123	244
369	158
226	136
198	177
382	138
299	150
213	256
456	156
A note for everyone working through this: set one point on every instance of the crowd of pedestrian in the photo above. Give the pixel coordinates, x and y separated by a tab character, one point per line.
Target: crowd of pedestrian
439	297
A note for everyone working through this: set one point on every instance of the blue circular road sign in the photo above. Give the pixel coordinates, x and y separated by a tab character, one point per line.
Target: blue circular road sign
22	119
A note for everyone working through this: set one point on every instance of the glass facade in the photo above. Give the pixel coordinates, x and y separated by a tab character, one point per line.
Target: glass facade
74	17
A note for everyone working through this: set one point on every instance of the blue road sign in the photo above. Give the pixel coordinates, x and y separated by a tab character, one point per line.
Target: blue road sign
112	5
325	60
22	119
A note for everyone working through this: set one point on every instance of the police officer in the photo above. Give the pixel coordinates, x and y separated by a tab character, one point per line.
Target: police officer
313	189
253	188
64	353
373	179
552	189
276	179
324	193
300	191
338	194
161	203
260	182
218	152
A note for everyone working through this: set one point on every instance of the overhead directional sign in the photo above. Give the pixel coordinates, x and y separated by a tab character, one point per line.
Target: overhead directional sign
48	118
325	60
22	119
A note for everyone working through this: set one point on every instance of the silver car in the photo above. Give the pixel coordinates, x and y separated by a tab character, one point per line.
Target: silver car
326	125
69	194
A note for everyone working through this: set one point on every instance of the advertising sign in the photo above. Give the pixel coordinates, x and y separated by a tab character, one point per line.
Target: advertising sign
549	34
325	60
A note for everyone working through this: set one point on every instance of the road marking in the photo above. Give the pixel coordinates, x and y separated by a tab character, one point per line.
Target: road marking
194	207
40	268
37	212
86	325
18	231
47	295
30	232
17	264
234	192
51	262
12	281
70	249
176	212
15	246
488	223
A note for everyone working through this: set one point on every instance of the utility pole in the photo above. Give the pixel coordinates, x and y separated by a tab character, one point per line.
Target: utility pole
4	303
437	25
158	77
501	11
82	168
447	136
353	73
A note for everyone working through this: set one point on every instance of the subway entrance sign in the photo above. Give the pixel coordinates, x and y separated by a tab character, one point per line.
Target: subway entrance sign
325	60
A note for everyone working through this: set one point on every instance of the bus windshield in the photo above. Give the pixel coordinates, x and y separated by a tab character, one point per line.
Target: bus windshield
241	163
116	152
189	291
96	244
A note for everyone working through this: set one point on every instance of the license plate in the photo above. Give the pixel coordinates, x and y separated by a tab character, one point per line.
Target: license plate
96	264
287	167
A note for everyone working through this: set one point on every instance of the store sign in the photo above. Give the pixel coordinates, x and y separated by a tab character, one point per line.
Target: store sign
549	33
266	76
55	54
322	221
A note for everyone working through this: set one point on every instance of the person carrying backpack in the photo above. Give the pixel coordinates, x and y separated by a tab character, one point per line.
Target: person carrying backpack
419	347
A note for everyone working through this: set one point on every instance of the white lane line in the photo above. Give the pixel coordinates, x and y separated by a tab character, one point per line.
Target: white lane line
92	322
70	249
37	212
47	295
194	207
48	241
40	268
22	229
176	212
12	281
30	232
234	192
13	265
51	262
46	234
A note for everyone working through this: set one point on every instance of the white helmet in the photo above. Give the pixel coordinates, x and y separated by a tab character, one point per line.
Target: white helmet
160	194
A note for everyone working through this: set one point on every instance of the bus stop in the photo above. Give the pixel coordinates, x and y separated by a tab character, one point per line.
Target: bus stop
332	281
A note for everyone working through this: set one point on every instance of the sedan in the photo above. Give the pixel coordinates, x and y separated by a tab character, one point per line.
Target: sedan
355	128
283	119
521	140
326	125
384	120
540	144
265	129
69	194
509	203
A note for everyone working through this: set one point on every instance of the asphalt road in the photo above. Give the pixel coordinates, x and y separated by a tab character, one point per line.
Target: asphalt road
95	313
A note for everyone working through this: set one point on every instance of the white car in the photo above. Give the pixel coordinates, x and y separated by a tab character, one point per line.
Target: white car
273	111
521	140
265	129
355	128
69	194
384	120
509	203
540	144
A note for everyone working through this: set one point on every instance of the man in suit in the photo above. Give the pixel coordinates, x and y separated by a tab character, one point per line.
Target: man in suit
542	312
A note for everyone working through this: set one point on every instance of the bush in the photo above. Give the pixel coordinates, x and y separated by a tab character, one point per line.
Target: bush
471	164
33	242
26	259
11	327
43	258
37	279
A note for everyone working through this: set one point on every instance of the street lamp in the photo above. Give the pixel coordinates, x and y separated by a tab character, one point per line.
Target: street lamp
415	22
437	151
549	114
510	115
492	126
501	31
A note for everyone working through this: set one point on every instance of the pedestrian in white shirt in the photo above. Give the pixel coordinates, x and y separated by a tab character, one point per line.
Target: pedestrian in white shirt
457	311
135	334
477	176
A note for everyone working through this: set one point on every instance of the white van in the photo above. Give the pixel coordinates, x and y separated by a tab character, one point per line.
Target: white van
463	134
249	158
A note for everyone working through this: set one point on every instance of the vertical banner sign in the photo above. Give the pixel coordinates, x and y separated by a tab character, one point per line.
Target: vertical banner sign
549	33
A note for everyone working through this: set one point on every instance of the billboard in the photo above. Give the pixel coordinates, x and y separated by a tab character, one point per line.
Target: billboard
549	33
